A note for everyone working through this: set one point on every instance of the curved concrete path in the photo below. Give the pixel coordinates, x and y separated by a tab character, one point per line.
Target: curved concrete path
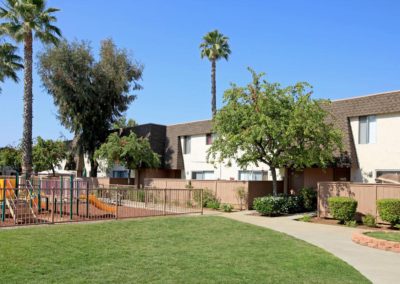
377	265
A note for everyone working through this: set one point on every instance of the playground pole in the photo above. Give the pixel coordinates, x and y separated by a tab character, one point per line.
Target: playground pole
39	197
87	200
77	198
61	196
3	209
71	196
16	183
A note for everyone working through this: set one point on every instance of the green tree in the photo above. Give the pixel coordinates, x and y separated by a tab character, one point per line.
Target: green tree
10	157
48	154
24	20
90	95
214	46
123	122
131	151
280	127
10	62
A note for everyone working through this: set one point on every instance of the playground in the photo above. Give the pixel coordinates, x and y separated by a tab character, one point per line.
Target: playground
67	199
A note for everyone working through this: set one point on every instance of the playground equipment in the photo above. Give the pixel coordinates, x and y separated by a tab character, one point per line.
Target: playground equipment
99	204
19	202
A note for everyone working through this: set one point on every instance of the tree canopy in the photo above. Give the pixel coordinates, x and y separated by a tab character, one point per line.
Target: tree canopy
10	157
91	95
278	126
48	154
130	151
214	47
10	62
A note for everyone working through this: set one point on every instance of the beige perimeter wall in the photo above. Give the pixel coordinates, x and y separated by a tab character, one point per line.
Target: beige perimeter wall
366	195
226	191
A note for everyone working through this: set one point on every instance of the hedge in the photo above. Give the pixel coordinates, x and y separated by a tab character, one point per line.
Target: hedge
389	210
342	208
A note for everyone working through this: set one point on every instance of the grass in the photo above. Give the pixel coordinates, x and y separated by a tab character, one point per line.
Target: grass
389	236
165	250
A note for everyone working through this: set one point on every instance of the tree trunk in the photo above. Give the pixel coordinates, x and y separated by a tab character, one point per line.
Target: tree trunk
213	88
274	182
28	100
93	166
129	176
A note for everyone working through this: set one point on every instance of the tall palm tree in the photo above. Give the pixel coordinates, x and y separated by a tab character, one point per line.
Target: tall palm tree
25	20
10	62
214	46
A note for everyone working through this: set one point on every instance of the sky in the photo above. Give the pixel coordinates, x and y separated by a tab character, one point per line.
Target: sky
343	48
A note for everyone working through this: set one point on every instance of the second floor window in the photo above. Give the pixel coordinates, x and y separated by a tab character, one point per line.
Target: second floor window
209	139
186	145
367	129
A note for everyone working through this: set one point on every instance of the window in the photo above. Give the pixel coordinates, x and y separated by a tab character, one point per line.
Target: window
186	145
383	176
367	129
210	137
120	174
251	175
203	175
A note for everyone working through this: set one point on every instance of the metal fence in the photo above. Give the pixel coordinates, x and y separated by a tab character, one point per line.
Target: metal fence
43	204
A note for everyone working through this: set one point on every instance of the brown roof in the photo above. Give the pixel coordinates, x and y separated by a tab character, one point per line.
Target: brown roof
341	110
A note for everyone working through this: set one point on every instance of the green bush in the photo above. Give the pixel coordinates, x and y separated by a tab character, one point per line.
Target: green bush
306	218
309	198
227	207
342	208
278	205
269	205
389	210
213	204
369	220
351	223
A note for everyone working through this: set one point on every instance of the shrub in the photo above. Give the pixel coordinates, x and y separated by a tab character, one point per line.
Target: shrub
209	199
389	210
351	223
342	208
369	220
213	204
270	205
227	207
309	198
242	196
305	218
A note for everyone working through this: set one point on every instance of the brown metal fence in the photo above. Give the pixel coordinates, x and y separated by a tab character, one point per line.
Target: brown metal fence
41	204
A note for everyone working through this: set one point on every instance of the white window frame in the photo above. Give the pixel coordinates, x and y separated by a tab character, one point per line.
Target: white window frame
370	131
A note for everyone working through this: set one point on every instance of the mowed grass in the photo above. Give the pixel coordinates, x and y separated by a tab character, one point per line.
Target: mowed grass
165	250
390	236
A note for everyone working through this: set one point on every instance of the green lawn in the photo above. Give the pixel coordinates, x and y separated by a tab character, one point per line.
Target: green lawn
391	236
165	250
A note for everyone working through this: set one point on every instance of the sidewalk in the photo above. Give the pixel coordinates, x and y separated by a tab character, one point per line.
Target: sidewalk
377	265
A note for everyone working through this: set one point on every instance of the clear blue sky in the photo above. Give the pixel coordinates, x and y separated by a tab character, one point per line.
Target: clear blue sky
343	48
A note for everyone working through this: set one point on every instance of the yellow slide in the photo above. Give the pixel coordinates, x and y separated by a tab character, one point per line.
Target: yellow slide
9	184
99	204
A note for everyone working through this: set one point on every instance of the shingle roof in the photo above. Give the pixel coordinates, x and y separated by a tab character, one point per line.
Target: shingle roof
341	110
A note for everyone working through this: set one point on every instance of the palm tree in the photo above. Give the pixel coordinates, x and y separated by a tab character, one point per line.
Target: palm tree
214	46
25	20
10	62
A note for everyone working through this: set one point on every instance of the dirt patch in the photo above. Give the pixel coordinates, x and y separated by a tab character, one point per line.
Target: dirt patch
380	227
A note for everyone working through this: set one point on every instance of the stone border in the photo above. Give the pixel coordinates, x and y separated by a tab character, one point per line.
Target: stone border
364	240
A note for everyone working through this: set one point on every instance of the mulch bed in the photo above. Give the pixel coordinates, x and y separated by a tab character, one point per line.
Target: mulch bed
380	227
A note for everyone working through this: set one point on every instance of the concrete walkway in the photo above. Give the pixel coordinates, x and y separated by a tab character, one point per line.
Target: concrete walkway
377	265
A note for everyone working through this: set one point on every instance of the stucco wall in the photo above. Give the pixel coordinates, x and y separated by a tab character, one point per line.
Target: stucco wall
382	155
196	160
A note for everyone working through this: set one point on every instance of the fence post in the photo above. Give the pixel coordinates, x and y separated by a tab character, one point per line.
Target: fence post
71	197
201	201
87	200
165	201
77	198
39	198
116	205
3	209
61	195
53	205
